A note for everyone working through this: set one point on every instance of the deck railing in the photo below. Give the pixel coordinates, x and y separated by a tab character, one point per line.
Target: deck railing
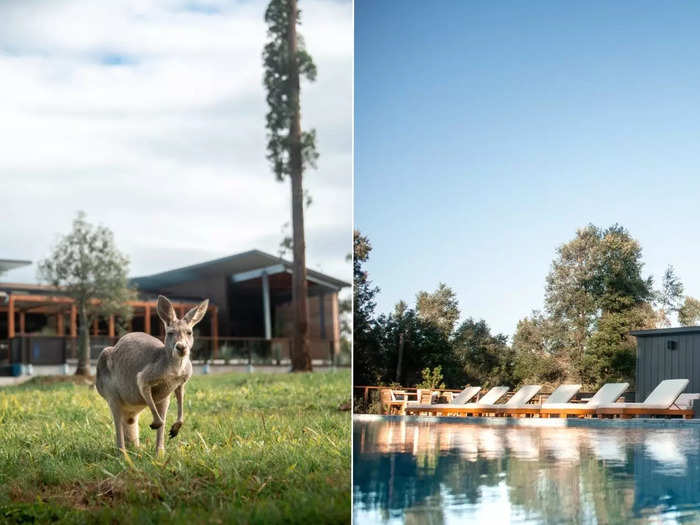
56	350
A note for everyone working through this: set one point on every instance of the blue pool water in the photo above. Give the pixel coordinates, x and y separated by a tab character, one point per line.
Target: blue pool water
436	471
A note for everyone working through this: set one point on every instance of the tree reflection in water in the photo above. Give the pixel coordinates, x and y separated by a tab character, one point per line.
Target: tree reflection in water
439	472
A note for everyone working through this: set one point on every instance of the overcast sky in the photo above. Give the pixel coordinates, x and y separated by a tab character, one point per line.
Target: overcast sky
150	115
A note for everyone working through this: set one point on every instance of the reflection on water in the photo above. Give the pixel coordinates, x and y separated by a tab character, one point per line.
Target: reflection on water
441	472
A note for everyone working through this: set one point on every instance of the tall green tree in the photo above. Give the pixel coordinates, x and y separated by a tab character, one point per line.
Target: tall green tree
611	351
567	298
617	283
439	307
289	149
368	363
423	345
596	293
88	267
485	358
540	352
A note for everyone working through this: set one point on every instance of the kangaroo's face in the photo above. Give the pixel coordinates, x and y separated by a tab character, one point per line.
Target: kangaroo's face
178	332
178	337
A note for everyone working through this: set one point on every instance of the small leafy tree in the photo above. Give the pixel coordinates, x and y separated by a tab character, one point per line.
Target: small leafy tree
87	266
432	379
670	297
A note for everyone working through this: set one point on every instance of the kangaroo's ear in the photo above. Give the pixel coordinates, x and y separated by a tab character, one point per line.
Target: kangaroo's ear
195	315
165	310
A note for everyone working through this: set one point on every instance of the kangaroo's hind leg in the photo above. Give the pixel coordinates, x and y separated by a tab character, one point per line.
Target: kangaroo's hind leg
118	426
130	423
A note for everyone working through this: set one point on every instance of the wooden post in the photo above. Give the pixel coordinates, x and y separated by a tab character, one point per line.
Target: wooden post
215	328
147	319
60	323
111	326
73	321
22	323
11	318
266	305
335	319
95	329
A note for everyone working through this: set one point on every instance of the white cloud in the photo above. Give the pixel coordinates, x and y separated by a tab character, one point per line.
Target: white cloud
150	117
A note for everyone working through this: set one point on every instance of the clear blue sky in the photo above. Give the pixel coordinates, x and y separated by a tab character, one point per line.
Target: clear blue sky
487	132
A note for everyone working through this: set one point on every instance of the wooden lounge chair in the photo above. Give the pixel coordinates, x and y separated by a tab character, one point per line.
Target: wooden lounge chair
607	394
460	399
660	402
391	404
489	398
561	394
519	401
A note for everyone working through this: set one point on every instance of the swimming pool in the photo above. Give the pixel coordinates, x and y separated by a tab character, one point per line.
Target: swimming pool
440	470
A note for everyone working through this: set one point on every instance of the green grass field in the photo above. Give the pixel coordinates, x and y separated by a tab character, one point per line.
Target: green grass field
255	448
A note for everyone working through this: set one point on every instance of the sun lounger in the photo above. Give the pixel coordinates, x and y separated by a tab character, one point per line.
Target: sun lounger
607	394
561	394
489	398
519	401
459	400
660	402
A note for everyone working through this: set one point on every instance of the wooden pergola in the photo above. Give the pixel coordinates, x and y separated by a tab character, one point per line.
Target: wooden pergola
59	306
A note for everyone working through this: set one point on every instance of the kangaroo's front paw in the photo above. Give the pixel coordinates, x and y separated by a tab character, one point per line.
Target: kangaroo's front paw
175	429
156	424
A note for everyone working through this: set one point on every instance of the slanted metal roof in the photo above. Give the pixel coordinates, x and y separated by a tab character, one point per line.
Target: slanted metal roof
233	264
11	264
667	331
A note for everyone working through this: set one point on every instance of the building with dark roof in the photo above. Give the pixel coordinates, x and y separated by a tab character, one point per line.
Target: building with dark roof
250	311
667	353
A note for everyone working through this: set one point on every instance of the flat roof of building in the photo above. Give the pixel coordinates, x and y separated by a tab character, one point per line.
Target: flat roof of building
11	264
667	331
230	265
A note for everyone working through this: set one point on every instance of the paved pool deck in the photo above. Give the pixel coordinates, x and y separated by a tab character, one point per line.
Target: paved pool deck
645	422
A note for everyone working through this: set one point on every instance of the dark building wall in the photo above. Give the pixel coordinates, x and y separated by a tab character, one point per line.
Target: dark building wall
246	311
241	308
655	362
212	288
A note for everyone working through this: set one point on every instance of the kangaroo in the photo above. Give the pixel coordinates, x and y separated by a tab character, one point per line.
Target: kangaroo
140	371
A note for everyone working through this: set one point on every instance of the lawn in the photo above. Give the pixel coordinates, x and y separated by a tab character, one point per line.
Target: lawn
255	448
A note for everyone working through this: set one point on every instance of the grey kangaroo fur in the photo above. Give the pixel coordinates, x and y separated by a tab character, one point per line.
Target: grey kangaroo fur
140	371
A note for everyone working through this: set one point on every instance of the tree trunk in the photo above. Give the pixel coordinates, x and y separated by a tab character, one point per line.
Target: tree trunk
301	348
400	360
83	344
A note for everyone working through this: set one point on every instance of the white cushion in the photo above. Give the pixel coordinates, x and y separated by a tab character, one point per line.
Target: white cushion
465	395
607	394
522	396
563	393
